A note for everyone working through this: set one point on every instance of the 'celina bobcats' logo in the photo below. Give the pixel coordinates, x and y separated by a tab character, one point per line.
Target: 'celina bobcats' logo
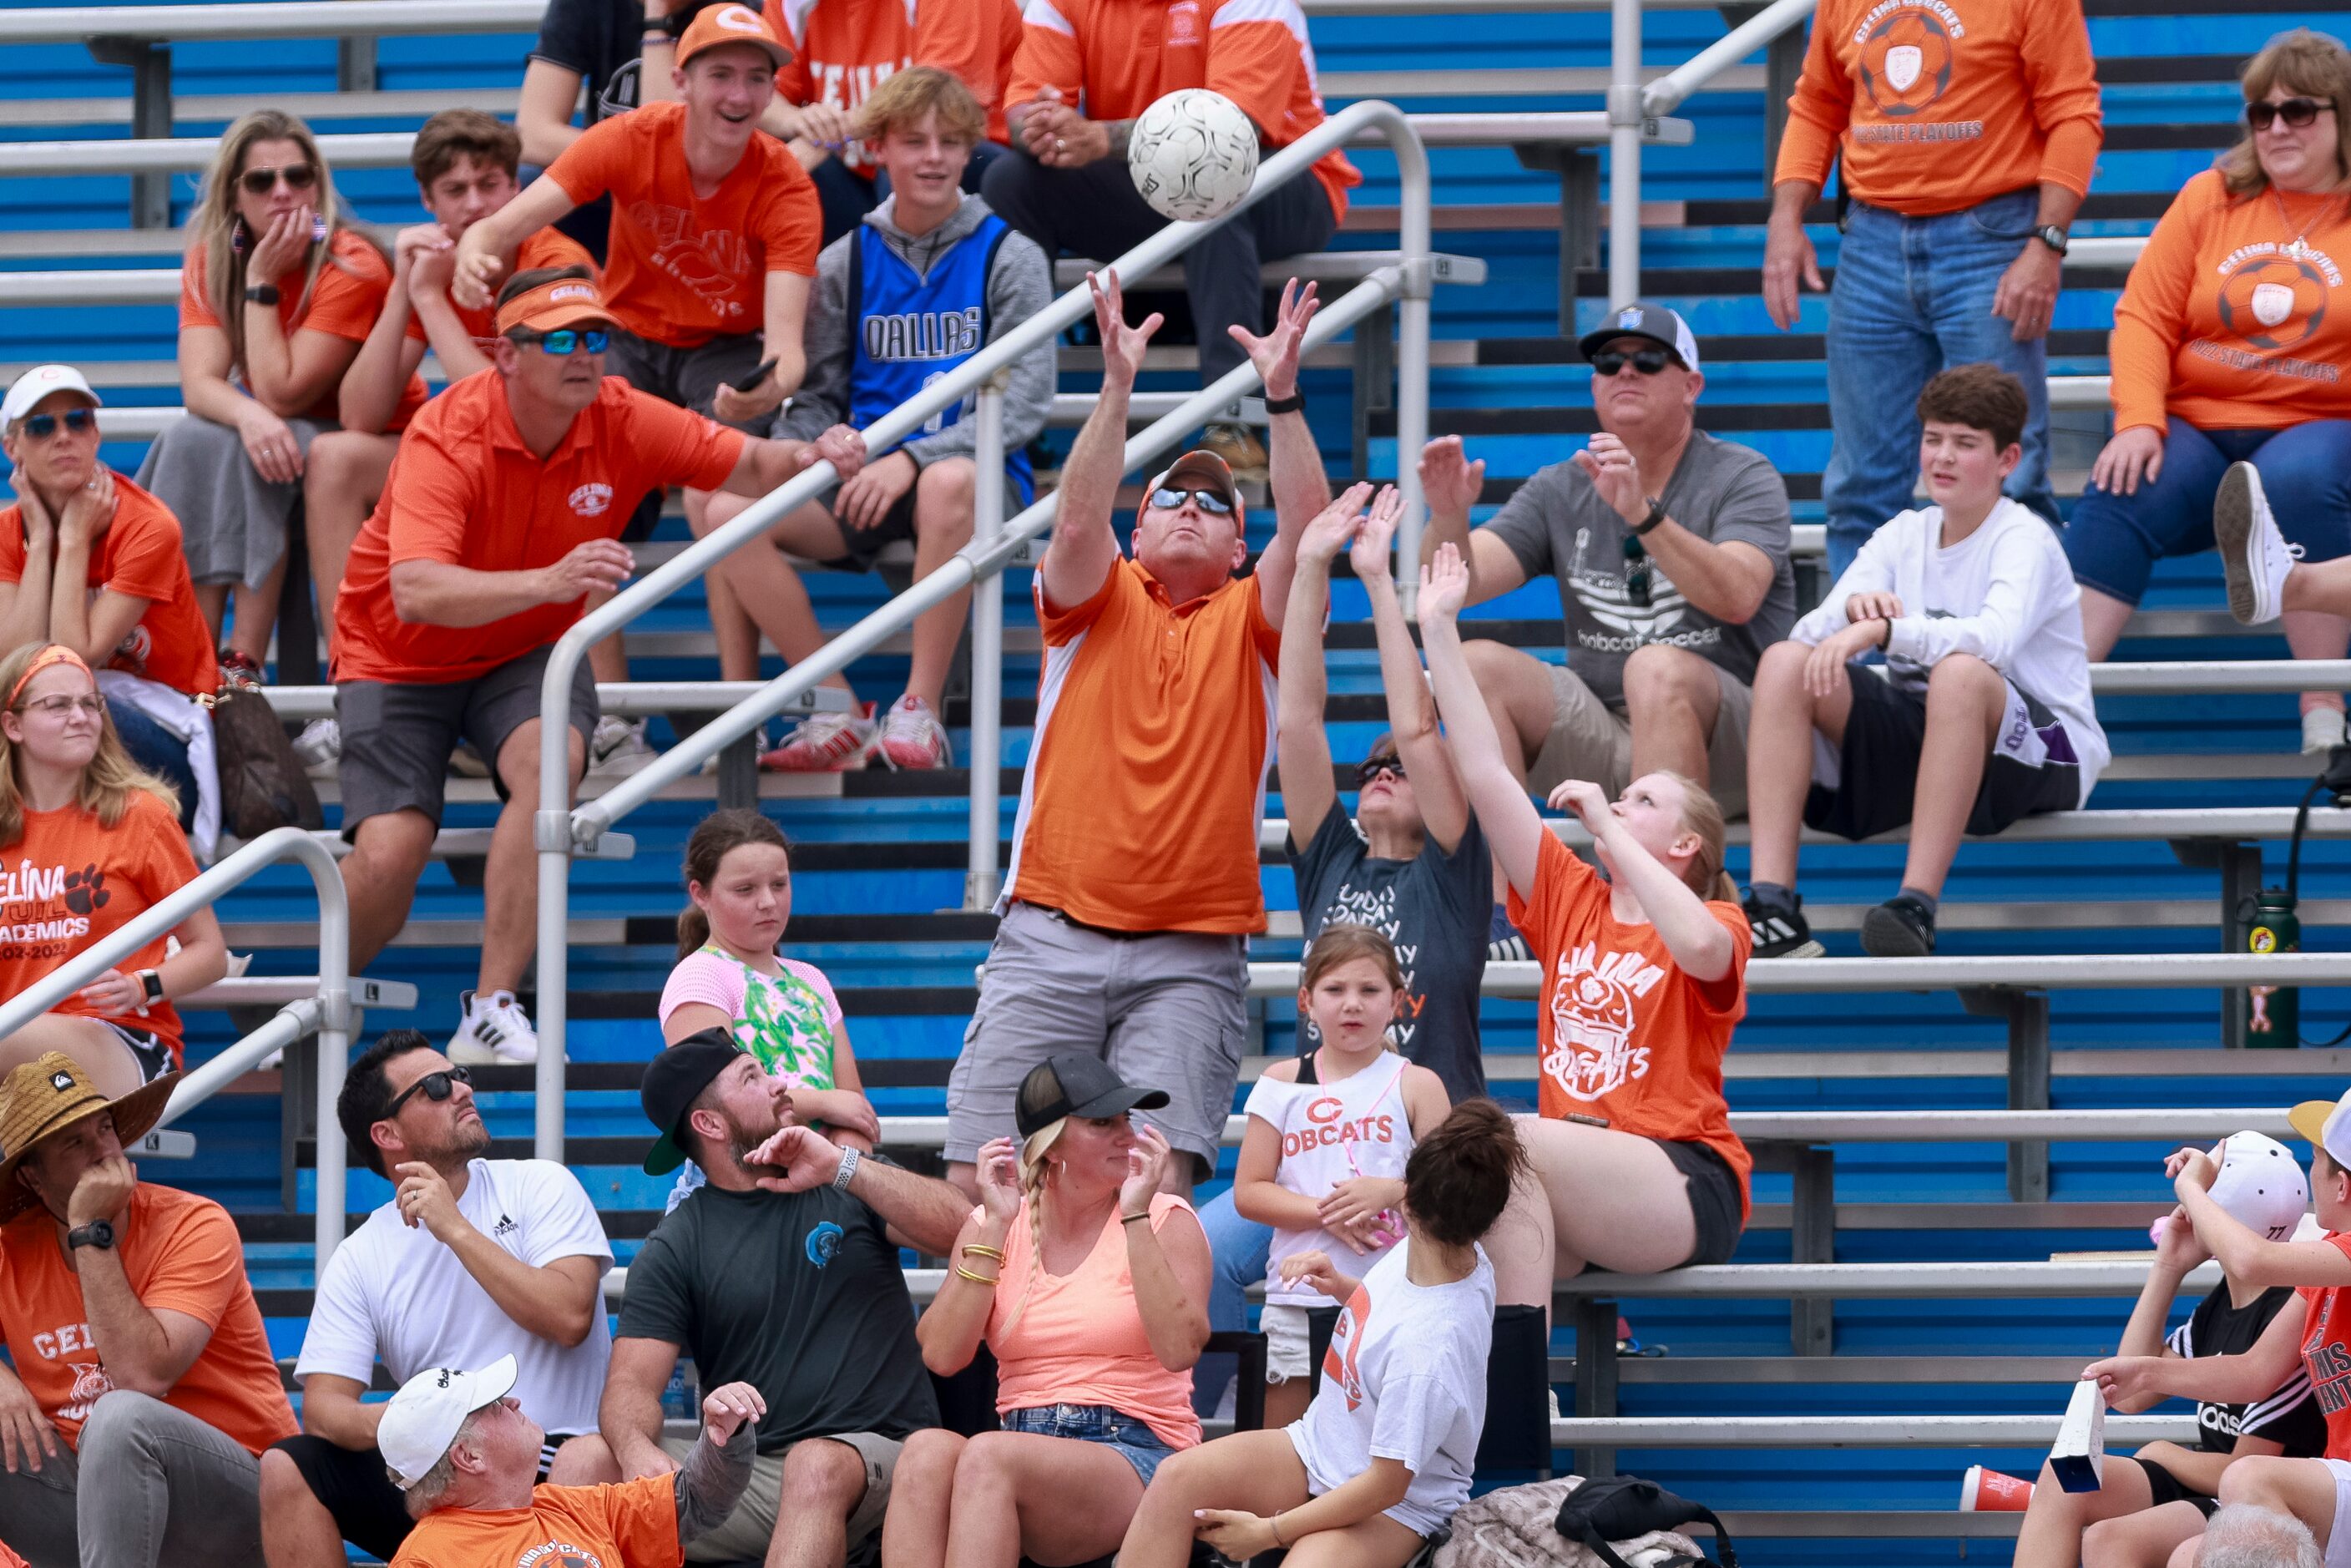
591	500
45	910
1907	50
559	1554
1327	1131
2273	297
824	1243
1346	1341
1591	1052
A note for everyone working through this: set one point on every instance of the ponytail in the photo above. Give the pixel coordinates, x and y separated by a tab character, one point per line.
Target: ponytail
1702	815
1458	1178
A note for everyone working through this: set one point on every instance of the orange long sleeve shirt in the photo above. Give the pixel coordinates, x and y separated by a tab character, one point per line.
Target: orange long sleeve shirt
1937	107
2231	319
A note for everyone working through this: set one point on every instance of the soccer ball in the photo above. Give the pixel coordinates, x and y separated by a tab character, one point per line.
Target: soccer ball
1192	154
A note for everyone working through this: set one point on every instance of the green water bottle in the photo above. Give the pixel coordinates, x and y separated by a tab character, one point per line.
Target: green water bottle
2273	1013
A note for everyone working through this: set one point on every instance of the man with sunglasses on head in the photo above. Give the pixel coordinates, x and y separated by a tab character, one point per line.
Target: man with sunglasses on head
1671	552
502	513
1133	886
472	1260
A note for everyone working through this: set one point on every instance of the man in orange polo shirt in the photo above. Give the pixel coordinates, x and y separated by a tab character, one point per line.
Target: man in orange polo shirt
1967	134
1084	71
502	514
1133	887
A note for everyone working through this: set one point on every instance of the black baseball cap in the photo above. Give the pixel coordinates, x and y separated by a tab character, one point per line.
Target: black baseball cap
1659	324
1071	1085
673	1081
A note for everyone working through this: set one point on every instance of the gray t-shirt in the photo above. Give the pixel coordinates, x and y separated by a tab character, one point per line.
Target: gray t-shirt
1557	525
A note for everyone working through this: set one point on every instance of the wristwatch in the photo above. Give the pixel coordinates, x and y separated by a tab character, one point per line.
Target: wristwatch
2052	237
262	294
1294	404
151	986
849	1160
97	1233
1656	514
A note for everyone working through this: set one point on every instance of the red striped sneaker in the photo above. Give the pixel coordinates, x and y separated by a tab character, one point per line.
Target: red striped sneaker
826	743
913	738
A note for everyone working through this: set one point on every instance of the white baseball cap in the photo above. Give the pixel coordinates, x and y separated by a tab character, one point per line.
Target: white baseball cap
2327	1124
422	1419
39	382
2260	1187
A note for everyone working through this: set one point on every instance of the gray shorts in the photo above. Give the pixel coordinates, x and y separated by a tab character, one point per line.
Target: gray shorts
1167	1009
689	378
1589	740
745	1535
397	736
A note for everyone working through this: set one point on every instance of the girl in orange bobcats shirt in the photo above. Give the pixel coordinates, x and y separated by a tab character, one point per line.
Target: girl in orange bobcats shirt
88	843
1637	1167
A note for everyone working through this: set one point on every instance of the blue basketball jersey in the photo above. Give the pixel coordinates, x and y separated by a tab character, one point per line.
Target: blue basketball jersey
911	330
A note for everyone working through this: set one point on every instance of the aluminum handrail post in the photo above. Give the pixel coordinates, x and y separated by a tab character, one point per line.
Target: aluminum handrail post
1667	93
1415	237
1625	117
986	646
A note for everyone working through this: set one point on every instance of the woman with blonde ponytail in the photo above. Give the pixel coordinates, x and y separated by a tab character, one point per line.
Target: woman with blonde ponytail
1091	1286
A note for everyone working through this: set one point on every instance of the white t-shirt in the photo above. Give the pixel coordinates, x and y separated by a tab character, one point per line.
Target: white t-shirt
1404	1379
1331	1133
397	1295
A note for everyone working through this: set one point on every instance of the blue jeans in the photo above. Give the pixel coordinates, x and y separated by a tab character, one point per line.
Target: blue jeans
160	752
1238	1248
1131	1439
2115	540
1913	296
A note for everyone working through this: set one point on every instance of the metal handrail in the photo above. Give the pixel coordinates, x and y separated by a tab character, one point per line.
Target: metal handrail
329	1012
557	829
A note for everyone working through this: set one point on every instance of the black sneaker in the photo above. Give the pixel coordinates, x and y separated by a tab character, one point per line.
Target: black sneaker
1503	943
1898	928
1779	929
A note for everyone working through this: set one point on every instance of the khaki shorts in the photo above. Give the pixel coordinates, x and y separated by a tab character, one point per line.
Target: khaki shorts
1589	740
745	1535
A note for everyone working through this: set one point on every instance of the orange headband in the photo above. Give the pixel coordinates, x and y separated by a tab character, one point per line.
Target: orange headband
55	653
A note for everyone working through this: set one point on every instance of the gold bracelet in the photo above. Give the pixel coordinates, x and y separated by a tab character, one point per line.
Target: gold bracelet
964	1273
975	1249
1131	1218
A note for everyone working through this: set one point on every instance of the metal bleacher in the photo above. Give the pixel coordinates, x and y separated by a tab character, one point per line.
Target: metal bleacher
1927	1137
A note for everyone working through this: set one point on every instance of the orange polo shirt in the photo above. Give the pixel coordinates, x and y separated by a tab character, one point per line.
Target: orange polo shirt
464	489
1122	56
843	49
2231	319
344	303
1146	772
1935	107
548	248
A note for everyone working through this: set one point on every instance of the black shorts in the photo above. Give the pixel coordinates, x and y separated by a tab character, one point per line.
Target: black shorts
398	736
862	547
2032	768
2167	1488
370	1510
146	1047
1713	1199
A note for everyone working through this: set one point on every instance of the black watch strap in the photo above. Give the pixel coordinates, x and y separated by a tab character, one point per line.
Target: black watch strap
262	294
1656	514
151	986
97	1233
1294	404
2052	237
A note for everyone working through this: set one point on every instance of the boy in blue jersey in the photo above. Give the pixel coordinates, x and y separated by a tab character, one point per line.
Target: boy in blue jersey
928	279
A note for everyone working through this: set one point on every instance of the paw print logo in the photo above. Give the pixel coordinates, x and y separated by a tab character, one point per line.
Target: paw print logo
86	890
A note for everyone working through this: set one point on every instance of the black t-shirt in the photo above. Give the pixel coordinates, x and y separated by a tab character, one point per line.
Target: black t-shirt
1437	909
599	41
800	1295
2289	1417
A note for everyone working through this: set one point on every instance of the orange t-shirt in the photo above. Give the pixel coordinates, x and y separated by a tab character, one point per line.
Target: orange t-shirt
1624	1034
1146	770
345	304
182	1254
548	248
632	1524
2229	318
2326	1352
682	269
71	881
139	555
1125	54
464	489
1939	105
843	49
1079	1338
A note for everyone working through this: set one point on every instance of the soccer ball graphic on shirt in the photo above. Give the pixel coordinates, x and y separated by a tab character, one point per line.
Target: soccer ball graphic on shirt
1906	62
2274	303
1192	154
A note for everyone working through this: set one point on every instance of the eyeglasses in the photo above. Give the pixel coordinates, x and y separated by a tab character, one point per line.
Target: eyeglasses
261	182
2296	113
41	427
1371	767
437	1087
1166	498
1636	572
565	341
58	707
1648	361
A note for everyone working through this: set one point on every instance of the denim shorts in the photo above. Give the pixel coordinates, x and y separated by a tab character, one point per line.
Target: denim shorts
1133	1440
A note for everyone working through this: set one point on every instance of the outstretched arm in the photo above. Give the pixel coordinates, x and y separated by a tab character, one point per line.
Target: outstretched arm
1412	712
2251	1257
1303	751
1301	488
2139	1380
1084	549
1512	826
1700	944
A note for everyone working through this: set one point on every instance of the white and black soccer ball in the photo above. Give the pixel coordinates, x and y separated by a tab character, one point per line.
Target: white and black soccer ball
1192	154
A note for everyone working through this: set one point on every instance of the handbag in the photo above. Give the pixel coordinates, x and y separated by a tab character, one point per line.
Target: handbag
262	784
1623	1508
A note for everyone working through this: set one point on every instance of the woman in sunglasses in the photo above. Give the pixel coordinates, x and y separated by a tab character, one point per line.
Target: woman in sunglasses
89	843
276	294
2230	391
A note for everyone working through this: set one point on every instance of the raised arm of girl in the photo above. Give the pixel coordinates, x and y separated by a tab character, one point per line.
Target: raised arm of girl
1412	712
1513	825
1302	751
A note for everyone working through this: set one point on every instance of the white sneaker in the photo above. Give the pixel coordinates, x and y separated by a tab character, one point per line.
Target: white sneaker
826	743
494	1031
2254	555
320	748
912	737
619	747
467	762
2322	731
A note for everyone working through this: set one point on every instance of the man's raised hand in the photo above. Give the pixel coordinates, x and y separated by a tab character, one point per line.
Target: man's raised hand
1275	355
1449	482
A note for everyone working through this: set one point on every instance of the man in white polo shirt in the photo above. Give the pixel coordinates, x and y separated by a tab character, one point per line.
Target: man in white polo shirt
472	1260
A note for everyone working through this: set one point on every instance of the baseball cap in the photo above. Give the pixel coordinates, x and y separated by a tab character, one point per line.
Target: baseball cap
556	304
1071	1085
38	382
673	1080
422	1419
2327	1124
1205	471
2260	1186
1655	322
730	24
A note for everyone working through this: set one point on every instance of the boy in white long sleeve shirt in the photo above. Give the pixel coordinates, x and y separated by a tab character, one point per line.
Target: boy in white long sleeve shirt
1983	713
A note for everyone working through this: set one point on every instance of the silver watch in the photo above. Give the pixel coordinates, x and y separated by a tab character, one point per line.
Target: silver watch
849	1160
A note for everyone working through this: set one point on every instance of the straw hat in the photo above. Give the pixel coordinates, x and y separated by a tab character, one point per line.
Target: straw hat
45	1097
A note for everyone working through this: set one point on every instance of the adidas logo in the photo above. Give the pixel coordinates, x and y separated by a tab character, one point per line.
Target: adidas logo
505	1226
1772	929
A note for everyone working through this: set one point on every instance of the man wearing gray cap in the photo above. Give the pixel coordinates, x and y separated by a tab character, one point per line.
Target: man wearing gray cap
1671	552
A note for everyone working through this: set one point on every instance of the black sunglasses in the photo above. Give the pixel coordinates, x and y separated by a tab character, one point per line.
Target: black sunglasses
565	341
1636	572
41	427
2296	113
261	182
1648	361
1371	767
1167	498
437	1087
